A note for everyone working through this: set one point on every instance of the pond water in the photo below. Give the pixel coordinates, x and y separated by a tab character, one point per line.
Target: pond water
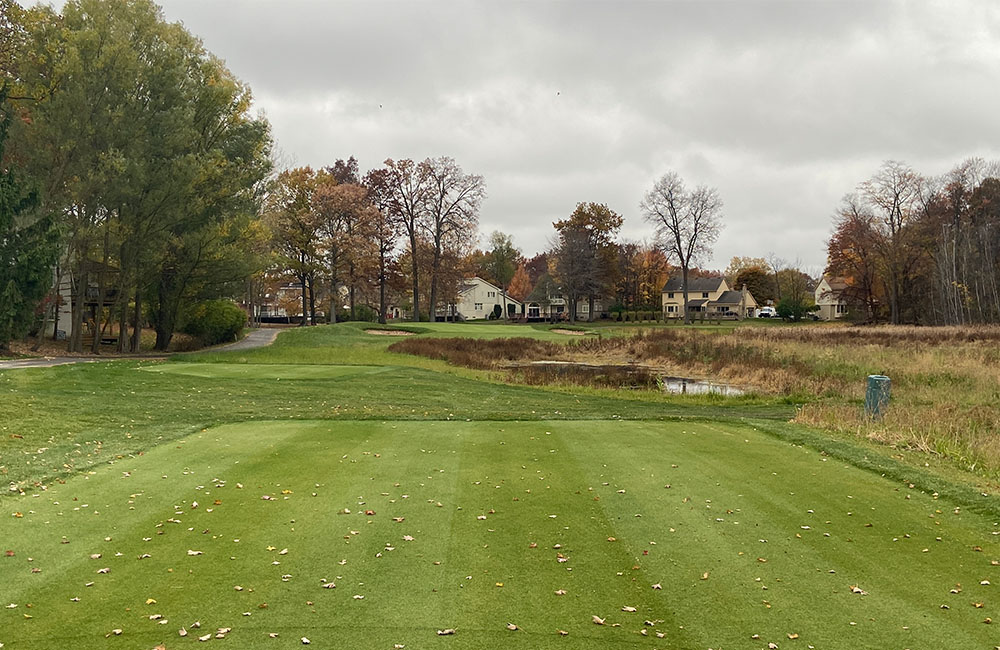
618	376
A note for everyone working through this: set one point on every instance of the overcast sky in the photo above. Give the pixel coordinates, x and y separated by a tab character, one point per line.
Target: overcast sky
782	106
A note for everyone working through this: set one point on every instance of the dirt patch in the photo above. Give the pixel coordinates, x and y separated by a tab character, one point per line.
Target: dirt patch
568	332
390	332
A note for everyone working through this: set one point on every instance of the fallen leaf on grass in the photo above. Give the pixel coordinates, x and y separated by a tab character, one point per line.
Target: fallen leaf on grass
190	552
704	576
657	586
793	635
597	620
858	590
511	626
627	608
560	592
562	632
446	632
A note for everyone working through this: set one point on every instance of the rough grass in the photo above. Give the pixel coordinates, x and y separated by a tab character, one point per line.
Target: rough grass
456	525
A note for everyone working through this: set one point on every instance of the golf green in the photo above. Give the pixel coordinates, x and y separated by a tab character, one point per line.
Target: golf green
620	534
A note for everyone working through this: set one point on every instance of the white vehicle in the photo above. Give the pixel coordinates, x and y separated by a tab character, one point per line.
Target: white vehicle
767	312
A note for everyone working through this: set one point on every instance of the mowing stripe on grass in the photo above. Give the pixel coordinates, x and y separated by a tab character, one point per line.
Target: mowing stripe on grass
474	525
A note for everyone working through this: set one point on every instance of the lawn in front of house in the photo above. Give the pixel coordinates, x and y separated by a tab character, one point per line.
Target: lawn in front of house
712	532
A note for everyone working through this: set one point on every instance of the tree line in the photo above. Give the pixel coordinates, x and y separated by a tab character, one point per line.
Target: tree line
921	249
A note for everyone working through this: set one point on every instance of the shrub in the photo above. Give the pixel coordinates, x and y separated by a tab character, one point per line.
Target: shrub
362	313
214	321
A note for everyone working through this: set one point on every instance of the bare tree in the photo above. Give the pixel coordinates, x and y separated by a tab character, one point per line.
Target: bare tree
452	208
894	196
687	222
382	230
407	188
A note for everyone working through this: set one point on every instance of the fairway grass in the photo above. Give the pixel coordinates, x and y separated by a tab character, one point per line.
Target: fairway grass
753	536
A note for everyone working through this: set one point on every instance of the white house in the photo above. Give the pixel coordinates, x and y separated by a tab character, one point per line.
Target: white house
709	296
830	298
478	299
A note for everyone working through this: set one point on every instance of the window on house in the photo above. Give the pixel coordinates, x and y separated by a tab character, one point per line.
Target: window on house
670	295
704	294
671	308
479	306
841	308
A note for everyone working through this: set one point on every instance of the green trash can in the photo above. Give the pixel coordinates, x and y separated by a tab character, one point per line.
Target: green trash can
877	396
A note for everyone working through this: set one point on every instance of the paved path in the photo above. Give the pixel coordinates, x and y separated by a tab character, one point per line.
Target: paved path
255	339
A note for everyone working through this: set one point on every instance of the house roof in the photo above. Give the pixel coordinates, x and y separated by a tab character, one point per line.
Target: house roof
700	302
470	283
837	284
694	284
729	298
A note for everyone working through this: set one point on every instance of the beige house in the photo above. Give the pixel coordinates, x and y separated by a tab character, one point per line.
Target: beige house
477	299
830	298
708	298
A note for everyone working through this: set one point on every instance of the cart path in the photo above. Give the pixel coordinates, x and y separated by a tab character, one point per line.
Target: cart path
255	339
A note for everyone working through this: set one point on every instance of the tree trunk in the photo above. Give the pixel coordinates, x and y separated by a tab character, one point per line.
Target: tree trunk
312	301
45	321
58	301
435	270
381	291
305	302
416	282
684	296
137	323
123	323
590	304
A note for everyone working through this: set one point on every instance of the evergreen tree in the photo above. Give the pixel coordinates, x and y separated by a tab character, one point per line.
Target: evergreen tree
27	246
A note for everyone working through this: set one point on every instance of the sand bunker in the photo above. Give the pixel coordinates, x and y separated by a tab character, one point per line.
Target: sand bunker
569	332
389	332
